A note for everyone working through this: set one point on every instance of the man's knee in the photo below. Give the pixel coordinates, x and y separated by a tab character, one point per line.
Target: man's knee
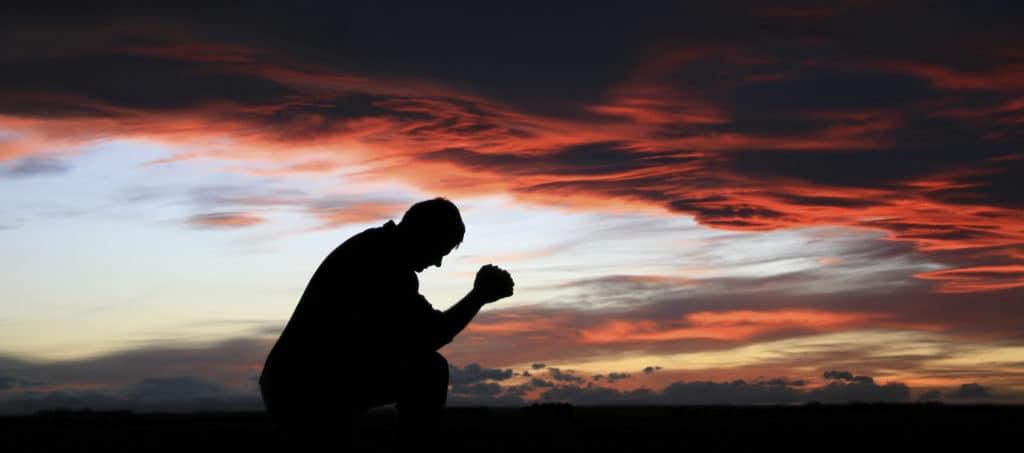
437	367
430	387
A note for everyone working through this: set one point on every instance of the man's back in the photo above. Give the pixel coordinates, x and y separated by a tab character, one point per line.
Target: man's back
360	309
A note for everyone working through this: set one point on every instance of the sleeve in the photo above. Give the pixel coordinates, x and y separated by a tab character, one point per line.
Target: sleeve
436	330
422	327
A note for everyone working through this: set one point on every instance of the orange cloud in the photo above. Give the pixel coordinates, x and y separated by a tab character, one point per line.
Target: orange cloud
226	220
655	142
977	278
731	326
358	212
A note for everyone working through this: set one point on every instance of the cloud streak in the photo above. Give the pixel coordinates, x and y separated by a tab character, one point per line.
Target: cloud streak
752	139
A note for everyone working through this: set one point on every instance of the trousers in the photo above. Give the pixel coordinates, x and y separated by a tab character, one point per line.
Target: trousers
320	398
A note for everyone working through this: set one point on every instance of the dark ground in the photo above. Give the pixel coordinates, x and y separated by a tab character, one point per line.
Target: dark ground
548	428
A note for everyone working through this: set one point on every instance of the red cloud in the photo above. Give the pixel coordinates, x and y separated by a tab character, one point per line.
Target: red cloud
657	141
732	326
226	220
977	278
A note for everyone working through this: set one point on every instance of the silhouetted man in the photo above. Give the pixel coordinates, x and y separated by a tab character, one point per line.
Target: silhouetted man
363	336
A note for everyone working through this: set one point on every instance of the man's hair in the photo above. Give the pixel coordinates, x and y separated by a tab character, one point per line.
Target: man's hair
438	218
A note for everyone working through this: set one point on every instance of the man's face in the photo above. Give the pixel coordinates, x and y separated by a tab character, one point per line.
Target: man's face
431	256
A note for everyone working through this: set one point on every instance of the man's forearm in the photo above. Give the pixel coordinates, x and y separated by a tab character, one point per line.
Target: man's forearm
460	314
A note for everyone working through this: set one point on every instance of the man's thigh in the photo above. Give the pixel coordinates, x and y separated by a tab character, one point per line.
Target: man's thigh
411	377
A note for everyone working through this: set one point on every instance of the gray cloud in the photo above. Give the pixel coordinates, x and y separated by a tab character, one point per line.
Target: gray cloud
841	375
594	395
226	362
836	392
973	390
173	393
35	166
174	388
151	377
540	383
773	391
567	376
11	382
478	389
612	377
473	373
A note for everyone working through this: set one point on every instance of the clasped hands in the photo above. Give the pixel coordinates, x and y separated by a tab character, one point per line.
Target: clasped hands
492	284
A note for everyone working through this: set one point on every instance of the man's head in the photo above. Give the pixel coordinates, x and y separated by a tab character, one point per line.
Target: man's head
431	229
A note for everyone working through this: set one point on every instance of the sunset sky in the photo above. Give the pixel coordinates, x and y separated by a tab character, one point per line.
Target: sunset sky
753	202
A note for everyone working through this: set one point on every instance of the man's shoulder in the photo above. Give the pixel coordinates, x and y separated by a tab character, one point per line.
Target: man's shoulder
371	248
370	238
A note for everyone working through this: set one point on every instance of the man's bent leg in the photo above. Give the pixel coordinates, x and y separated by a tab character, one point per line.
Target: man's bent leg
422	394
425	387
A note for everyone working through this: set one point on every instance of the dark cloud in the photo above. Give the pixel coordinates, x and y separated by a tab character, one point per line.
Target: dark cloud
477	386
763	127
540	383
837	392
226	362
473	373
931	395
597	395
852	203
732	215
773	391
11	383
31	402
538	366
824	89
8	382
126	82
863	379
973	390
612	377
651	369
840	375
600	158
730	393
153	377
567	376
478	389
34	166
171	393
175	388
835	168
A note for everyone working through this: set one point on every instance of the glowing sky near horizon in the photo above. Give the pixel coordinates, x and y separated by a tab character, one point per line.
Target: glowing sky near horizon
794	197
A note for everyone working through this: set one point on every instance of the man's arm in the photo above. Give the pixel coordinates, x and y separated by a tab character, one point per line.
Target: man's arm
458	316
491	284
